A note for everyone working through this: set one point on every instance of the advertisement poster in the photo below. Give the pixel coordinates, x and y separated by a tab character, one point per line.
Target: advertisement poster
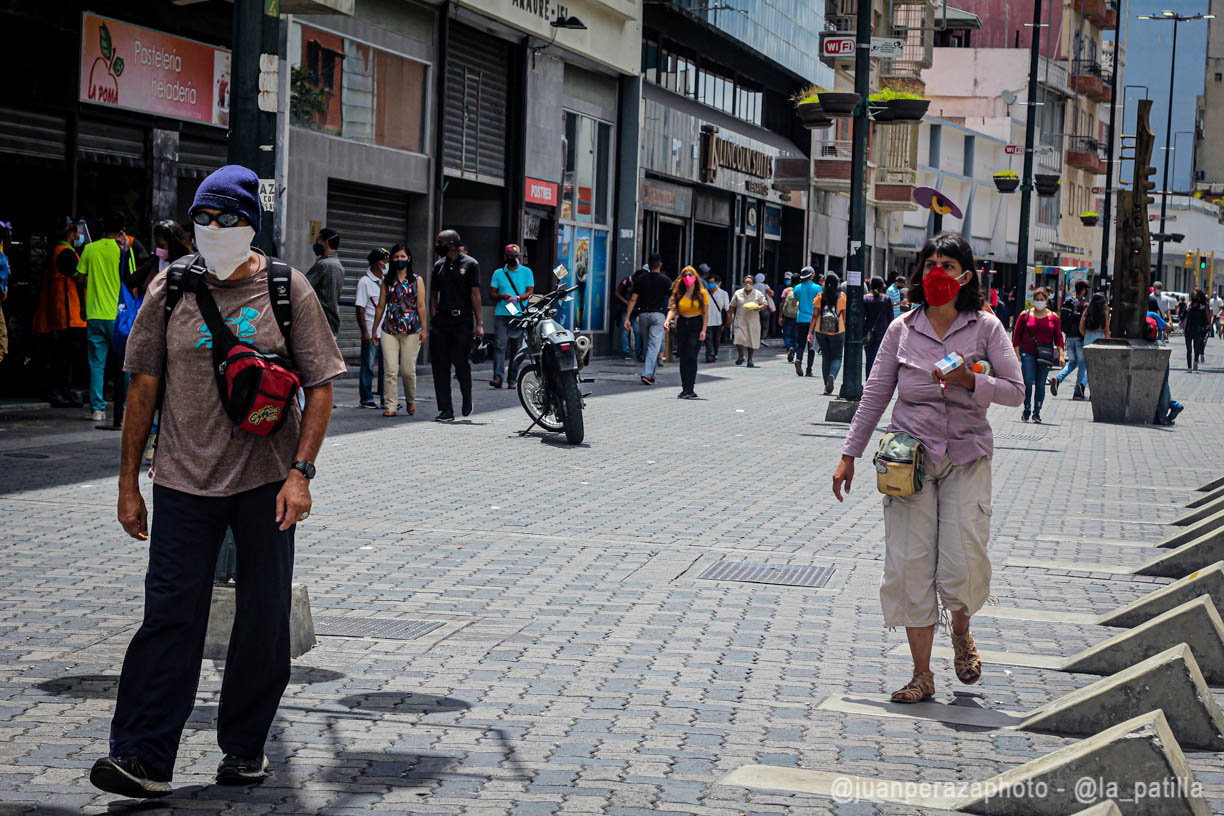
134	68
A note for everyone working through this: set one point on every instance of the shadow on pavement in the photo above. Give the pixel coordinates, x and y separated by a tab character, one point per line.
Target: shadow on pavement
402	702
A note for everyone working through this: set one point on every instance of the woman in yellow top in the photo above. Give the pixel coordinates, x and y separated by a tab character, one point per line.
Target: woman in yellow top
829	328
687	312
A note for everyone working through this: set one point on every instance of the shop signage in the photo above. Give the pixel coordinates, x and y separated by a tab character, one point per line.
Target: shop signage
757	187
544	9
267	194
1012	150
750	218
666	198
773	222
135	68
540	192
719	152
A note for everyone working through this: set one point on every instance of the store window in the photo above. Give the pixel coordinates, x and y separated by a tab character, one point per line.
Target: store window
683	72
584	233
346	88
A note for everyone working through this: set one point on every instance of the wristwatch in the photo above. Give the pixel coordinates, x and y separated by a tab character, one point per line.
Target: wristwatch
307	469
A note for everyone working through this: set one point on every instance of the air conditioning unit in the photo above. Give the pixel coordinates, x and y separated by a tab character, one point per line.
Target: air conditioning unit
1200	175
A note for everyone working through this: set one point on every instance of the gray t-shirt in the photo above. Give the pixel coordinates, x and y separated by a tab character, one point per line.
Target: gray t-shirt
199	450
327	279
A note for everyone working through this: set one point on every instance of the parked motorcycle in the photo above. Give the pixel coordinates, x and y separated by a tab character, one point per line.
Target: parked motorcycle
548	364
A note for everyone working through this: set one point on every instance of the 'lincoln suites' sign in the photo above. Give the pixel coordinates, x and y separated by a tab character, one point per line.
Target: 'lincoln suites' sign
717	152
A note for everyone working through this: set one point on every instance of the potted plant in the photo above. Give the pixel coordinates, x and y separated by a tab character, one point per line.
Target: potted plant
891	105
838	103
1089	218
1006	181
1047	184
809	109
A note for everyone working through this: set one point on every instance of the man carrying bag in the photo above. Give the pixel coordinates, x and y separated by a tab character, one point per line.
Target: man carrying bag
211	471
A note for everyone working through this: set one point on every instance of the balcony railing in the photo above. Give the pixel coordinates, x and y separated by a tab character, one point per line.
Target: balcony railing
831	164
895	176
1084	152
1086	78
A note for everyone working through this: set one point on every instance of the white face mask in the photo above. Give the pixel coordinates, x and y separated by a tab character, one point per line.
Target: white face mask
1039	304
224	248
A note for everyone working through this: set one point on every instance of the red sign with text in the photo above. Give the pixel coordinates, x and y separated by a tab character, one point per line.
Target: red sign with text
1012	150
540	192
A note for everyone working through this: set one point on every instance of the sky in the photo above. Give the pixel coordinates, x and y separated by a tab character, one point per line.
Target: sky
1148	45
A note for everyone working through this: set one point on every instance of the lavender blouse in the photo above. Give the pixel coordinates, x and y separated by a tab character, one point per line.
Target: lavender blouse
951	420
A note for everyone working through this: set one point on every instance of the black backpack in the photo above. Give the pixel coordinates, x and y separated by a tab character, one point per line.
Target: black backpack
829	319
1069	315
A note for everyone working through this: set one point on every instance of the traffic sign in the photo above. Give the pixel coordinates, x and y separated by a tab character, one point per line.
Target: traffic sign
1012	150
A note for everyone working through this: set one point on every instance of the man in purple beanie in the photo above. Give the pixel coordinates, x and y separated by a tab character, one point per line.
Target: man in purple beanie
209	474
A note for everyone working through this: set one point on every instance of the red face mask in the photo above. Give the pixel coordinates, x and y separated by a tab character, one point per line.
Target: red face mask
938	287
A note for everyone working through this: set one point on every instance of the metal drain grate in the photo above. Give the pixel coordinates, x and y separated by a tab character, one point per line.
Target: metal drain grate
28	455
798	575
1021	437
384	628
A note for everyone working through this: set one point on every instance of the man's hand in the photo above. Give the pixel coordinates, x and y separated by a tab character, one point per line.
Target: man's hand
479	330
627	326
424	336
702	336
132	513
843	475
293	501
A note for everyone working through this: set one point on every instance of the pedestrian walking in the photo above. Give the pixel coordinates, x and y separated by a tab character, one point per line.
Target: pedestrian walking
895	292
454	307
369	290
1195	329
828	327
1217	311
59	314
786	317
100	263
746	304
936	532
765	289
720	301
688	310
620	306
1094	322
6	239
1069	319
651	290
213	473
326	276
805	294
400	318
1038	341
877	314
511	284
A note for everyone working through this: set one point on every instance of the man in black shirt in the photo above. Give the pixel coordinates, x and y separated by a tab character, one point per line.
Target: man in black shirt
454	300
651	290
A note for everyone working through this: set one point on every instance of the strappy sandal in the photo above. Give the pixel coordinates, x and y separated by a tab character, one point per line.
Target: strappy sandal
966	659
920	687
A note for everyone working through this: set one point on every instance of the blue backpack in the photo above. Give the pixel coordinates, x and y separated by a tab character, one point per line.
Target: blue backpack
125	311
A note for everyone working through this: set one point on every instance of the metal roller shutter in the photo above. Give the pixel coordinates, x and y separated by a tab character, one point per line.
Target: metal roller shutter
25	135
199	156
477	70
108	142
366	217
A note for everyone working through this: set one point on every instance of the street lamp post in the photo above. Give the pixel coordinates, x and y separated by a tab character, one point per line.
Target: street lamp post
1030	137
1174	18
1106	213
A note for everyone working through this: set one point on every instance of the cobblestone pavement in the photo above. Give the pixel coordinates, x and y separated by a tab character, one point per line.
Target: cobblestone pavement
582	665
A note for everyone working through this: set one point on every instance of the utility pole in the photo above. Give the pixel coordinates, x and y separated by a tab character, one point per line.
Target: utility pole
252	109
1026	181
1174	18
856	256
1109	149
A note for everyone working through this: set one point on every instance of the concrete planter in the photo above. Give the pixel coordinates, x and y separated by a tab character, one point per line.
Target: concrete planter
1124	379
221	622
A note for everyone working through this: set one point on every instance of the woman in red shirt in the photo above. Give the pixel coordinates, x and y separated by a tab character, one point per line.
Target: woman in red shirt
1038	340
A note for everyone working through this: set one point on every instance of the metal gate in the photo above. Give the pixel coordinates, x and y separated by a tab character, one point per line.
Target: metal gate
477	71
366	217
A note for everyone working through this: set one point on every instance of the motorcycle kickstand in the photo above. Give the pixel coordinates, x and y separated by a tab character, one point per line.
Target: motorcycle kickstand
527	430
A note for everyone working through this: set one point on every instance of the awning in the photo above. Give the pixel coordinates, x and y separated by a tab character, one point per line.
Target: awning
958	19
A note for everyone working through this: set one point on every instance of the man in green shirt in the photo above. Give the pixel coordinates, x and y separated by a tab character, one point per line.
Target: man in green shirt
100	264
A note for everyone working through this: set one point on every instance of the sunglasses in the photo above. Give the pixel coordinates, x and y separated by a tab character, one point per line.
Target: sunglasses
225	219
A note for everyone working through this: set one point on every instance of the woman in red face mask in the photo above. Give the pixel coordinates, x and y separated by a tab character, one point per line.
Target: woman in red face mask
935	563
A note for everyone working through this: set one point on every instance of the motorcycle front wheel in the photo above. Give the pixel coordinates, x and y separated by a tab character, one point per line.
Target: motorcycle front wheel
531	395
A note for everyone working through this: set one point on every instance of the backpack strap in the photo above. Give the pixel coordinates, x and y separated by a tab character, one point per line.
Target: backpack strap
176	281
279	286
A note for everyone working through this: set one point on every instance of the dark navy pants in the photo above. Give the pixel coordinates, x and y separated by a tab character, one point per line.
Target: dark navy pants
161	670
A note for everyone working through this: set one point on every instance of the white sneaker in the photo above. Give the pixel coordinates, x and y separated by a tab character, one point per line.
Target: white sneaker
98	416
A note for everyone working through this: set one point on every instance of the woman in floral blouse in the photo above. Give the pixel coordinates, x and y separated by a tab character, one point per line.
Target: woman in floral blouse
401	314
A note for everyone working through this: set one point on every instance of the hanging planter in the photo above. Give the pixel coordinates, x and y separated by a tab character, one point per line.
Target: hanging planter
839	104
809	110
1006	181
1046	184
889	105
1089	219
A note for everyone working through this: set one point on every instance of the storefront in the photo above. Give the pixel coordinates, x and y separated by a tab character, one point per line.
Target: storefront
709	192
126	117
533	151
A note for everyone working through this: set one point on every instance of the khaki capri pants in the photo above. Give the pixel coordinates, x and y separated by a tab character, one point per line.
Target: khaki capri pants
935	546
399	352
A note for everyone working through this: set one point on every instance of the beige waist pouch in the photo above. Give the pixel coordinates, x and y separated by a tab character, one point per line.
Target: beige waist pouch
898	465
